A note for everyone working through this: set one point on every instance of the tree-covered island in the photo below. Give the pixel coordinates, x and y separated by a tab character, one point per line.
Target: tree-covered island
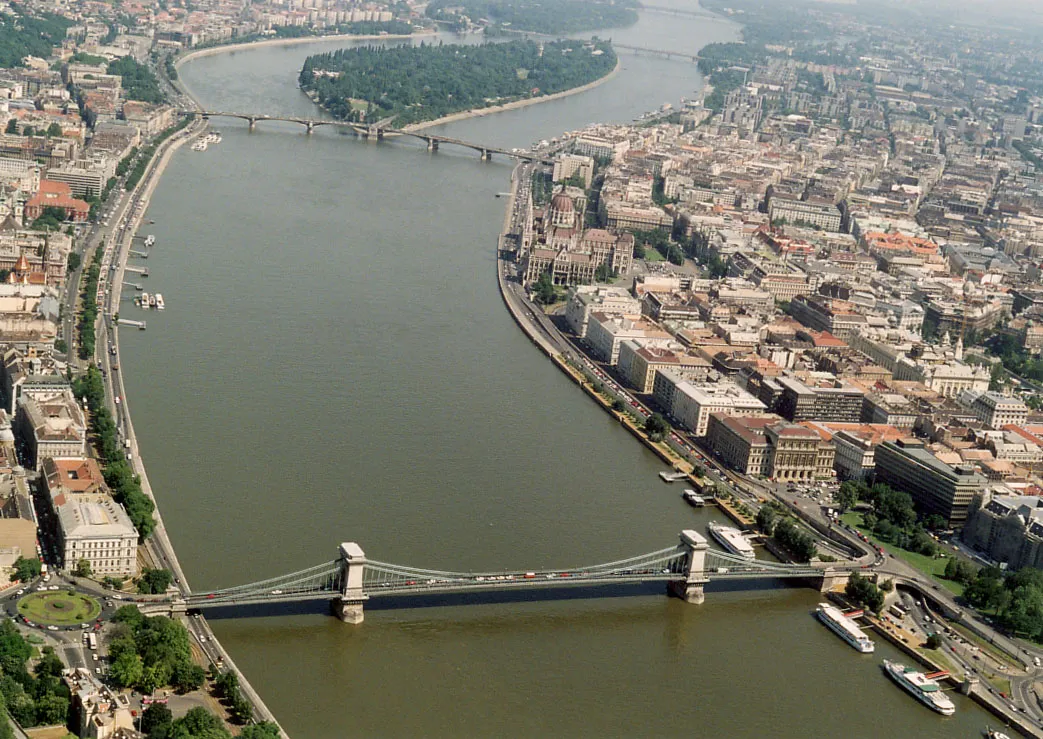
540	16
425	82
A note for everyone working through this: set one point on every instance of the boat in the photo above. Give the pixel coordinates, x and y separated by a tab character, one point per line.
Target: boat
159	301
843	626
920	686
731	539
144	300
993	734
693	498
152	302
672	476
199	145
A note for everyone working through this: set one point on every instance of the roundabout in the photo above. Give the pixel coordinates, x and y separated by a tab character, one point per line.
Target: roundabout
59	608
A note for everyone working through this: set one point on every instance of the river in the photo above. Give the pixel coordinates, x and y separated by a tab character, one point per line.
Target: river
335	364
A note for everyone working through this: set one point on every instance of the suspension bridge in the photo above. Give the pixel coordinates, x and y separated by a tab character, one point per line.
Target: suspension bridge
352	579
378	131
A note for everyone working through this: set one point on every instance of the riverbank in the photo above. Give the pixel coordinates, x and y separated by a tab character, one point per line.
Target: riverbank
223	48
492	110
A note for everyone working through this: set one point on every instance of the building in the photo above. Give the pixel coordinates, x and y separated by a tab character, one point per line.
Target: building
998	410
823	399
854	446
892	409
934	486
51	425
768	446
102	713
17	520
607	333
801	213
567	166
1008	529
639	363
53	194
692	404
822	314
609	301
95	527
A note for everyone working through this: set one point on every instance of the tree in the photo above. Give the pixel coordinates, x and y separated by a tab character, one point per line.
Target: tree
656	427
154	582
847	497
187	677
934	641
126	670
54	130
886	586
766	517
156	716
50	665
112	583
545	292
74	261
618	405
934	522
12	127
28	131
862	591
198	723
26	569
263	730
83	568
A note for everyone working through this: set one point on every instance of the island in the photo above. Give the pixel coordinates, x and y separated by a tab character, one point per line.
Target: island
427	82
542	16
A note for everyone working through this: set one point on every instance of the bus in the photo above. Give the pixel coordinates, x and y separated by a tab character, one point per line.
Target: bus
92	641
897	611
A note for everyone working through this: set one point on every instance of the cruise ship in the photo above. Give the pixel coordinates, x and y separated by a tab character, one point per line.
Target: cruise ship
159	301
731	539
920	686
844	627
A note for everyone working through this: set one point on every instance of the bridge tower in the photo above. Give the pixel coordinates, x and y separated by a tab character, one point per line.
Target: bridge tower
252	121
487	155
691	588
432	144
311	126
348	607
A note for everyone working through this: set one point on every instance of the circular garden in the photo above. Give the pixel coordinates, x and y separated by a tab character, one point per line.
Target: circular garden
59	608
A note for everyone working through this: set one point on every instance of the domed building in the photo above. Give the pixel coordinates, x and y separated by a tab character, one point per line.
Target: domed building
562	212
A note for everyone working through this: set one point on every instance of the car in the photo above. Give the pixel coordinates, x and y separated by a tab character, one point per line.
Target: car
54	587
85	626
21	592
210	595
52	628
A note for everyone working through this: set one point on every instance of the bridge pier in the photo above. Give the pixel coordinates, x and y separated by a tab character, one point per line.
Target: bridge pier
252	123
311	127
833	579
432	145
348	607
487	155
690	589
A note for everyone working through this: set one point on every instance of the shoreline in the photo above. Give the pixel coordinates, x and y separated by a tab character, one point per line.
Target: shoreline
224	48
494	109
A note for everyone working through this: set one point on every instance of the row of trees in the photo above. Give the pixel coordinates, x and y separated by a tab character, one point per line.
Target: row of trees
13	128
420	83
541	16
864	592
1015	598
89	305
125	485
227	685
157	722
773	520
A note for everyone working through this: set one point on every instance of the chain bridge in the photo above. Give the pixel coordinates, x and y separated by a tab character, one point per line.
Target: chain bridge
352	579
379	131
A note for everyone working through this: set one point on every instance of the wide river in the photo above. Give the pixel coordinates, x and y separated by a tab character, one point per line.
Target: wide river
335	364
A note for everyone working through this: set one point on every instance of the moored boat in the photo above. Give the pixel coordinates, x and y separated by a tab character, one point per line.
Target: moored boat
159	301
922	687
844	627
731	539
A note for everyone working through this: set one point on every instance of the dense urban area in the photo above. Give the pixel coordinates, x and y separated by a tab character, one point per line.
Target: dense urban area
814	290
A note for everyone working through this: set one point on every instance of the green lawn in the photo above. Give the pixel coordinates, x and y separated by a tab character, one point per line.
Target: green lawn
652	255
59	608
929	566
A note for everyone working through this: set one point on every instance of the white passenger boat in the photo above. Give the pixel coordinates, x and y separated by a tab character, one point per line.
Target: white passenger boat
922	687
844	627
159	301
731	539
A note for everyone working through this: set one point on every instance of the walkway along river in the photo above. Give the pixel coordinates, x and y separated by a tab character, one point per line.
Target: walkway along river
335	363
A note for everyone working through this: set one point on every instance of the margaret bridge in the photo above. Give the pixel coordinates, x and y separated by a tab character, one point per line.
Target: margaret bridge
379	131
352	579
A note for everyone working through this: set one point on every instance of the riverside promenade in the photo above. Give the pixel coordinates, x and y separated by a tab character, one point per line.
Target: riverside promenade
159	547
